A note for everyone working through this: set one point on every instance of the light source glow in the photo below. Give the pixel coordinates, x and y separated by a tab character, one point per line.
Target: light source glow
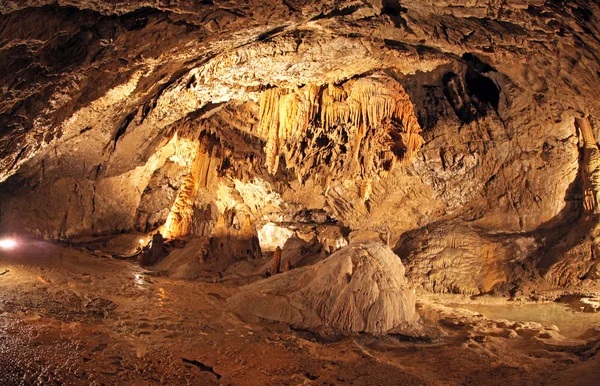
7	243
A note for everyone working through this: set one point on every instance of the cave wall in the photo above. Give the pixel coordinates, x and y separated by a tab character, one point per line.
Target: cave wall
100	102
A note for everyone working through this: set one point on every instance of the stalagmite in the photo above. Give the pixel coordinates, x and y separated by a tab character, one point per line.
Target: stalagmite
360	288
155	252
276	261
287	266
591	167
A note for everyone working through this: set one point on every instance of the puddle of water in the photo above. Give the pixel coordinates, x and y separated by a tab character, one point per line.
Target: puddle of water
570	323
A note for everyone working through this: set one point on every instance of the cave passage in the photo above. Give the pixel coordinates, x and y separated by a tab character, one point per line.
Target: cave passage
299	193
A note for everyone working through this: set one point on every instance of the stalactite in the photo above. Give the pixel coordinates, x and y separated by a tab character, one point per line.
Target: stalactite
283	116
591	167
365	189
268	127
180	219
361	128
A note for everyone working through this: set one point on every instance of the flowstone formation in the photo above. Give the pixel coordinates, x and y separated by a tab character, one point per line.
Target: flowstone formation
458	259
359	288
357	130
180	219
591	167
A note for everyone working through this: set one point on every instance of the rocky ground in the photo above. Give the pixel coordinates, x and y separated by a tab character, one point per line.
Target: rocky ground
70	317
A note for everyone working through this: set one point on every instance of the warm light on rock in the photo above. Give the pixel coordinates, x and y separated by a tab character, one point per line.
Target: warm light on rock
372	117
299	192
272	236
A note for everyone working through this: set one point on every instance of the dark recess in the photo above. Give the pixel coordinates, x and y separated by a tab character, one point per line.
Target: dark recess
479	85
477	64
455	93
123	127
392	7
483	88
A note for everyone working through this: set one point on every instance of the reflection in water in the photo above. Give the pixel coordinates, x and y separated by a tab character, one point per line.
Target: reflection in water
570	323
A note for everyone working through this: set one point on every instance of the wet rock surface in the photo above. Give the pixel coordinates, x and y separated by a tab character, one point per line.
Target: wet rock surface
69	317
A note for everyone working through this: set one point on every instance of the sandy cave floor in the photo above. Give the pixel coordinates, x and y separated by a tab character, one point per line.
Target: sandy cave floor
69	317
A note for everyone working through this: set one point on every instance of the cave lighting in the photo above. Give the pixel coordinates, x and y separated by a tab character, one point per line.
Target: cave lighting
7	243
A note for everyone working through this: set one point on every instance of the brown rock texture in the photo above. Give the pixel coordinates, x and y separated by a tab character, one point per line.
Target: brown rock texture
276	261
268	192
155	252
360	288
461	134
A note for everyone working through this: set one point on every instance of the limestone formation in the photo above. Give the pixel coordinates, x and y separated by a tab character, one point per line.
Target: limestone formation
571	260
154	252
361	127
180	219
458	258
158	197
234	236
591	167
382	150
287	266
446	129
360	288
276	261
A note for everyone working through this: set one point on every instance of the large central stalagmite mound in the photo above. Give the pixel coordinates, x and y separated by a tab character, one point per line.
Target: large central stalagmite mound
359	288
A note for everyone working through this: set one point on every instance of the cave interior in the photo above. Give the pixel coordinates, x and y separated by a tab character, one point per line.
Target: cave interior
293	192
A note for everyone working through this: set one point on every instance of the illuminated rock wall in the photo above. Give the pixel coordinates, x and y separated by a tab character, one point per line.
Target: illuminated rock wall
376	117
591	167
359	129
204	167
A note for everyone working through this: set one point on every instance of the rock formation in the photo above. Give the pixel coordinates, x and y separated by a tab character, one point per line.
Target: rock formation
287	267
591	167
276	261
180	219
154	252
344	167
360	288
447	129
358	129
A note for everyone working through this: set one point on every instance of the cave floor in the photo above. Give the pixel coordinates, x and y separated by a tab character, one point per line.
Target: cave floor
68	317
